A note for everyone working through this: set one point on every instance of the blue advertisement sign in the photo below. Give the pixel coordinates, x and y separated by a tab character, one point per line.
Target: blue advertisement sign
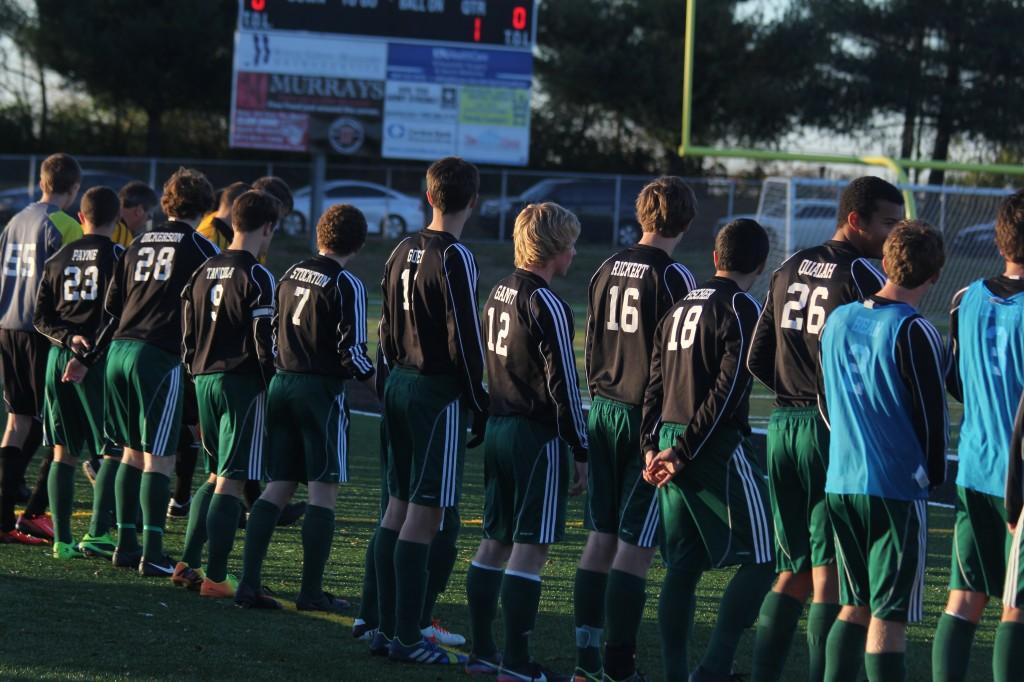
459	66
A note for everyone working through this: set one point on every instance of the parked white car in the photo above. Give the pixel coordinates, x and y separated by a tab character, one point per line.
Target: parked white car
814	221
388	213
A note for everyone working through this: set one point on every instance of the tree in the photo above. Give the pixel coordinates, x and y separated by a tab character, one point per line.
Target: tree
610	76
158	56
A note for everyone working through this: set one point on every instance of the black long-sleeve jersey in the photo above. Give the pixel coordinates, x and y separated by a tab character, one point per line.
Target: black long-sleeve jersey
803	293
1015	471
531	367
698	374
320	326
72	288
921	359
226	312
429	320
629	294
144	297
1001	286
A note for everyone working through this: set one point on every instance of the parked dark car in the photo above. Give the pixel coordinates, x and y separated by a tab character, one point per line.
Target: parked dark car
15	199
593	202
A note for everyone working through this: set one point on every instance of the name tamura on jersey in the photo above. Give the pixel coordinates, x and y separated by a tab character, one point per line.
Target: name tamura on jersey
320	326
629	294
73	285
803	293
698	374
429	319
144	298
227	308
531	368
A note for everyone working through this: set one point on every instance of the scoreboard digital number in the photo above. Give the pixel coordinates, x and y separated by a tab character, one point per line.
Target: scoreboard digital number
506	23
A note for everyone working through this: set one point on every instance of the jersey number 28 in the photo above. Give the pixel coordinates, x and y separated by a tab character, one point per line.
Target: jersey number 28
144	267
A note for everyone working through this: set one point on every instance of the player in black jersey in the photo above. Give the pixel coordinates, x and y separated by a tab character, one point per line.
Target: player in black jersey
227	308
69	311
536	411
714	509
144	374
783	356
320	330
629	294
430	335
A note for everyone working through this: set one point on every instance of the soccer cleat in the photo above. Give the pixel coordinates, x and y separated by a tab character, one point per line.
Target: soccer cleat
187	577
581	675
437	634
66	550
39	525
380	644
161	568
362	631
176	510
89	471
16	537
325	602
483	665
248	598
531	672
424	652
126	559
226	589
291	513
99	545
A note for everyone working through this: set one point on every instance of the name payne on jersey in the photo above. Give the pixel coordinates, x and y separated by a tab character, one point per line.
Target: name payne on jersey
623	268
162	237
224	272
307	276
505	294
84	254
817	270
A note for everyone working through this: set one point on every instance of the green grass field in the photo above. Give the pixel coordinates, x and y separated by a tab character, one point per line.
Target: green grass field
85	620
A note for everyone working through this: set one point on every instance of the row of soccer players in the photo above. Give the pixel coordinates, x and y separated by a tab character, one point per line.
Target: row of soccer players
437	306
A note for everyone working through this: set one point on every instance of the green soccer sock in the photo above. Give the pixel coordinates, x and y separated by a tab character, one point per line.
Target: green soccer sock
126	488
588	595
887	667
410	586
258	531
384	560
776	625
951	650
155	495
820	618
483	585
624	609
736	613
195	531
221	526
845	651
440	563
675	620
369	609
317	534
103	497
1008	652
60	484
520	600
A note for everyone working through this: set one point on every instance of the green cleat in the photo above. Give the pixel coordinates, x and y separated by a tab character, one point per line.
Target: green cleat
100	545
66	550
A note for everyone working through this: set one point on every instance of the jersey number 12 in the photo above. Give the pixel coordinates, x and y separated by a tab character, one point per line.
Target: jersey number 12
498	345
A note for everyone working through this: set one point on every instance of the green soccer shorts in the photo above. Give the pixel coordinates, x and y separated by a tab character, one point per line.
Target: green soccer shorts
619	500
797	463
232	421
307	439
881	554
143	398
72	413
426	424
714	513
981	543
526	482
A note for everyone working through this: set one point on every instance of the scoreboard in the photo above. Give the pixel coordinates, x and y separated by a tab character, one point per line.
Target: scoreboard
404	79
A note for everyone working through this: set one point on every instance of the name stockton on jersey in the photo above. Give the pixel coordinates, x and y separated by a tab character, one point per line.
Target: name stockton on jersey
307	276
